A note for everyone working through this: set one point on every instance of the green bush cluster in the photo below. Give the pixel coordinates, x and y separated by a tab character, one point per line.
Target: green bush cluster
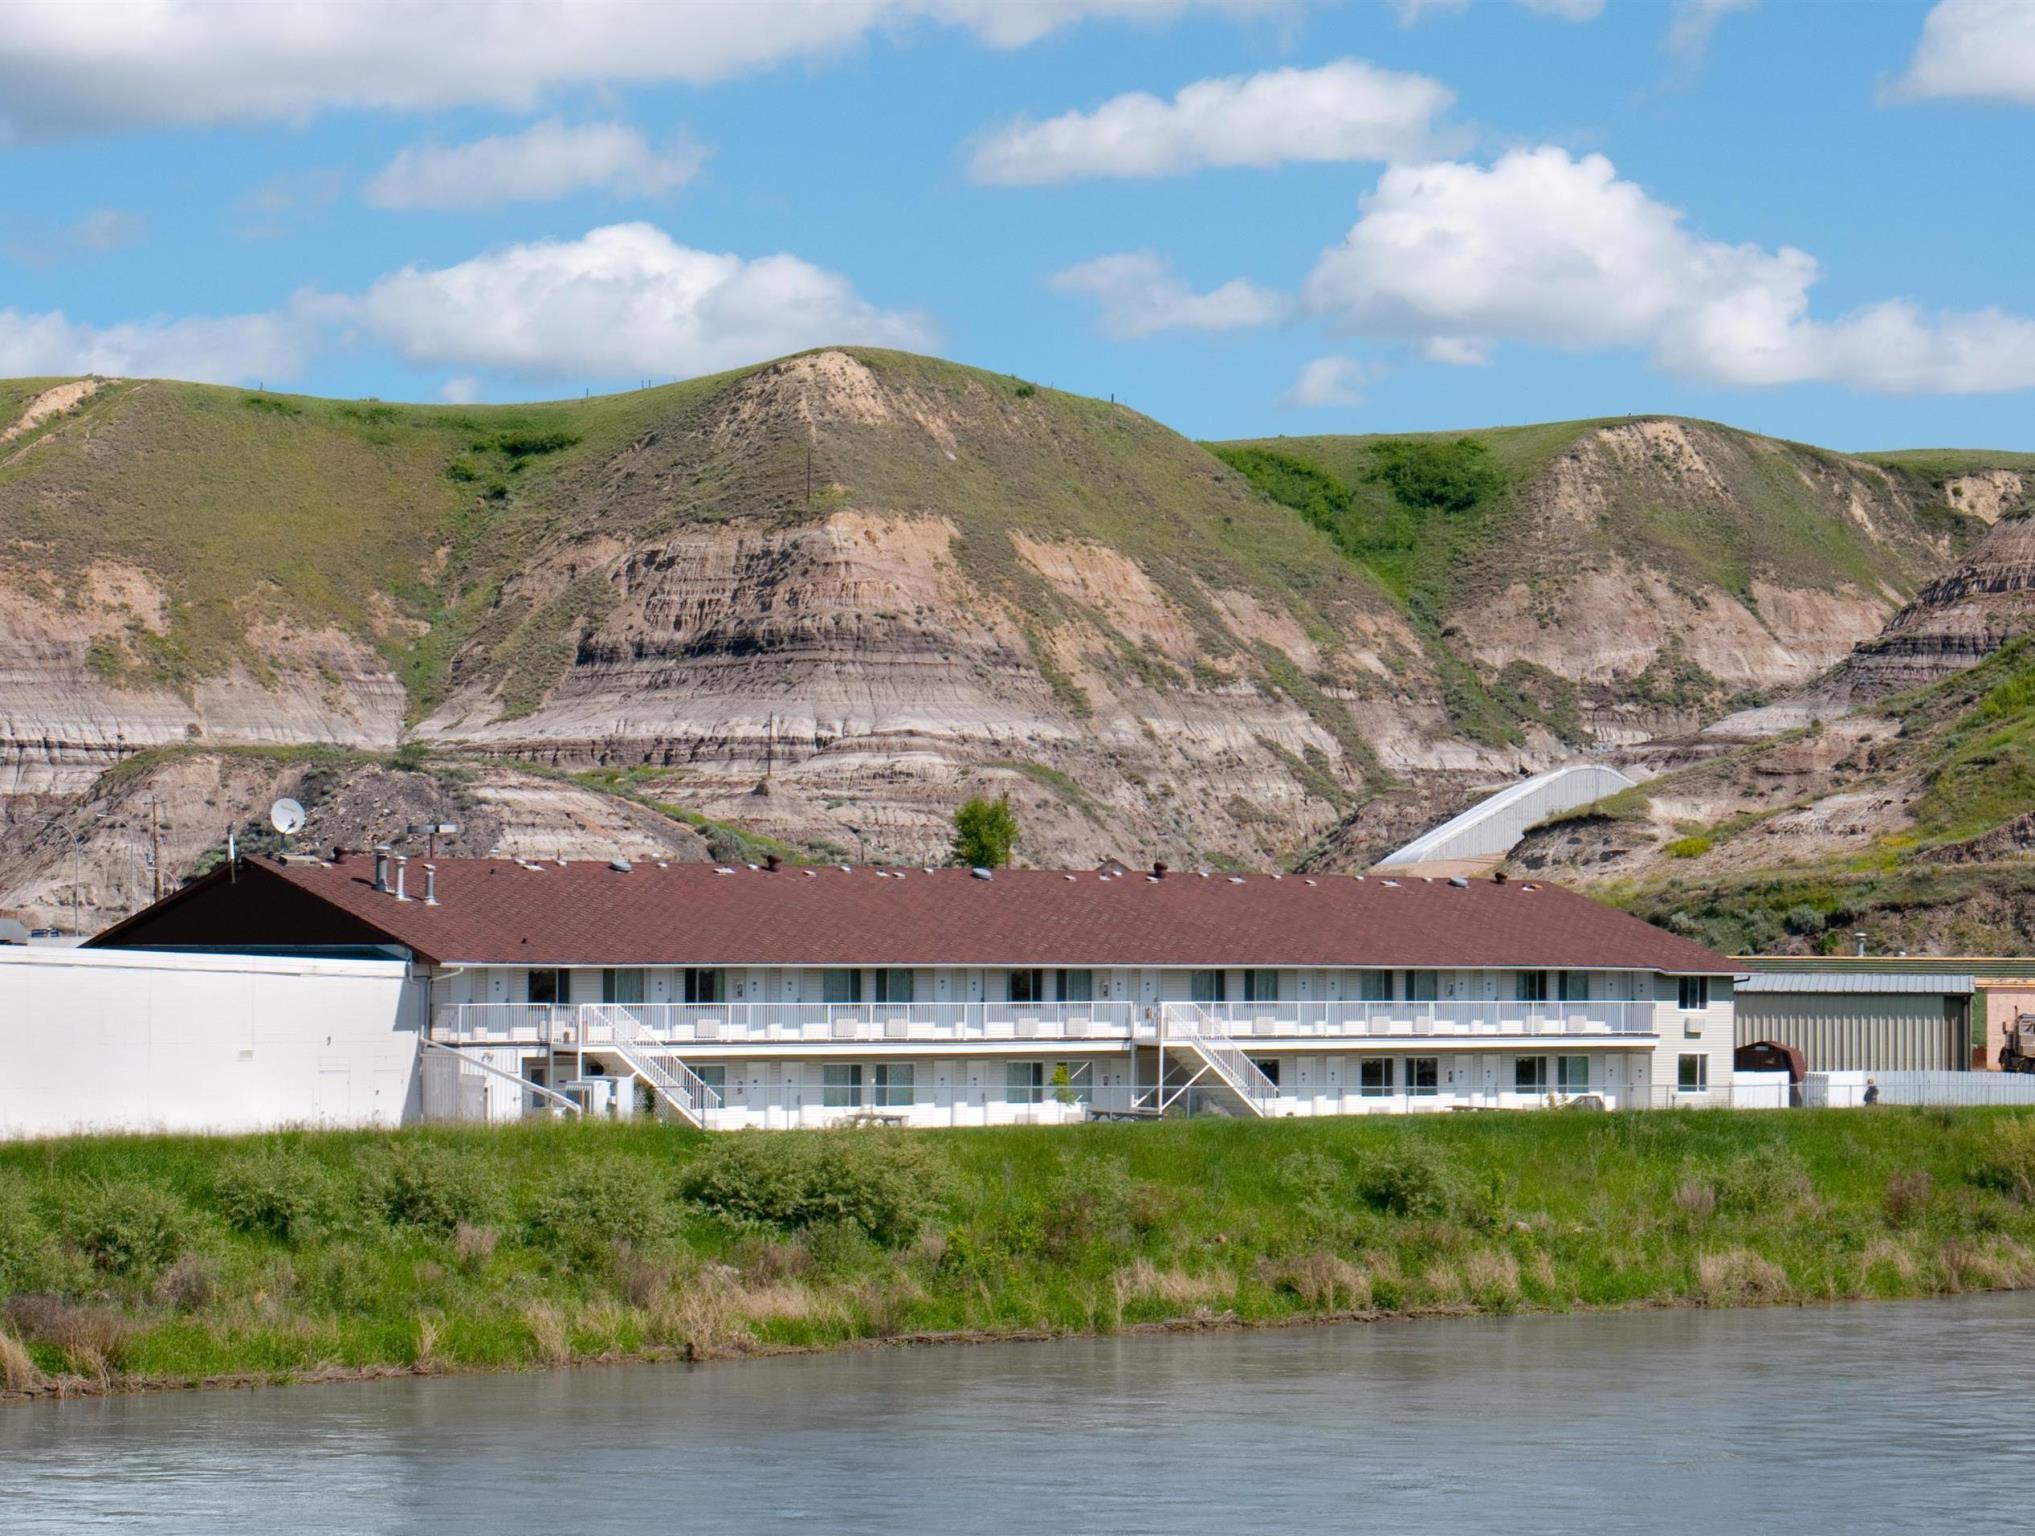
887	1184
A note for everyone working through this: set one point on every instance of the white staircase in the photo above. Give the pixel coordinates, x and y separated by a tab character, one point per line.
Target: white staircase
677	1085
1192	1036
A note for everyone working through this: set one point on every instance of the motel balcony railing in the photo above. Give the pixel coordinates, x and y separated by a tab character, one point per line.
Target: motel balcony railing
584	1024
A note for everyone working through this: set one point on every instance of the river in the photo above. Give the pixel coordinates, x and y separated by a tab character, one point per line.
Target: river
1887	1417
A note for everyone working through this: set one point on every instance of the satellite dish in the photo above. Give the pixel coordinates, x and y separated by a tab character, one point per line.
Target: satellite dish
286	816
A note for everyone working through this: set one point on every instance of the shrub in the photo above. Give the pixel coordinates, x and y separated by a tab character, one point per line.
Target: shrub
1906	1195
189	1283
1694	846
1090	1202
126	1227
1419	1178
1416	1178
1767	1178
2006	1160
419	1184
886	1183
1436	476
1804	920
592	1206
272	1192
1694	1198
26	1252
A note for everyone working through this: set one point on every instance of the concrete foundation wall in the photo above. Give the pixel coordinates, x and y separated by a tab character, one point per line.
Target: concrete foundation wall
127	1040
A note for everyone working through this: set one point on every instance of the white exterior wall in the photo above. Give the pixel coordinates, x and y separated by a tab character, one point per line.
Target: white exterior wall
129	1040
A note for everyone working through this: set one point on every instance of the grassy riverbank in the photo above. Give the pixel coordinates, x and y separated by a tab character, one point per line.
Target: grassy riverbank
141	1261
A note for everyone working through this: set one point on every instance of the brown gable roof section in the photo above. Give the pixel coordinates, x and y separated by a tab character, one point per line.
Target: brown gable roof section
502	912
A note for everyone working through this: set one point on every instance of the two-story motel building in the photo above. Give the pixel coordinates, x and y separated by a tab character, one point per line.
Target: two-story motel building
739	996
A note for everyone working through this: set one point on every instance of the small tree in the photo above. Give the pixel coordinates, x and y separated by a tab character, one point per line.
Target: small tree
985	832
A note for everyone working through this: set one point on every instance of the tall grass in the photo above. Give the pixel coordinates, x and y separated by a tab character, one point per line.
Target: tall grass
157	1260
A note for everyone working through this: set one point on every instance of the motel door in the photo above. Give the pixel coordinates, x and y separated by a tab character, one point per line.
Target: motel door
943	1087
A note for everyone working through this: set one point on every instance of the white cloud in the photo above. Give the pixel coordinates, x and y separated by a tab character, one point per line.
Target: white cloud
232	349
1540	247
69	67
1976	49
462	390
94	234
624	300
546	160
1333	381
1137	296
1694	23
1348	110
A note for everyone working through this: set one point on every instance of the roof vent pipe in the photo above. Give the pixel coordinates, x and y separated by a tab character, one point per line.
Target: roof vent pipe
401	861
1861	943
430	885
1497	877
773	863
381	866
1158	869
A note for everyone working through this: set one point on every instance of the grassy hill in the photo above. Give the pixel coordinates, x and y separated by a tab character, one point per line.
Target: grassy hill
159	1262
379	518
1436	514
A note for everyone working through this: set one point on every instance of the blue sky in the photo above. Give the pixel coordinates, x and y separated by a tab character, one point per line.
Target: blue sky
1808	219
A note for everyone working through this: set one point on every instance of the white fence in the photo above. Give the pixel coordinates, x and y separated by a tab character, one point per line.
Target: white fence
1847	1090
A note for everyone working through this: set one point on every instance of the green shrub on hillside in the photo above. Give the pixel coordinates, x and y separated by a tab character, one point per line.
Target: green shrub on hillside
1416	1177
591	1206
1436	476
419	1184
2006	1160
273	1191
26	1248
126	1227
888	1184
1767	1178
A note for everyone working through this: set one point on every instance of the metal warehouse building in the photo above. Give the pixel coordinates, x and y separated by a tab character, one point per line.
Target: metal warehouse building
1853	1021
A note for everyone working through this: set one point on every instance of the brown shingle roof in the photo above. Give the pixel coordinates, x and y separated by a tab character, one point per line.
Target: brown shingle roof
500	911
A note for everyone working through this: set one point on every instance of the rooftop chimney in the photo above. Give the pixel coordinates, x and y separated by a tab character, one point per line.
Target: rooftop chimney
381	866
1158	869
430	885
401	863
773	863
1497	877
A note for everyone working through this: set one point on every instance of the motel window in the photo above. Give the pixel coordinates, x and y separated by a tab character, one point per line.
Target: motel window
1269	1065
1574	986
1573	1074
1692	1074
1076	986
1531	986
894	985
1423	1076
546	987
1073	1081
702	986
716	1078
1374	1077
1261	986
1208	987
1423	986
893	1084
622	984
1026	986
1529	1074
1024	1082
1693	993
1374	986
841	985
841	1087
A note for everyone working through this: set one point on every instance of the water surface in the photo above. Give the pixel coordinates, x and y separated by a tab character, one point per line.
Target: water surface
1891	1417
